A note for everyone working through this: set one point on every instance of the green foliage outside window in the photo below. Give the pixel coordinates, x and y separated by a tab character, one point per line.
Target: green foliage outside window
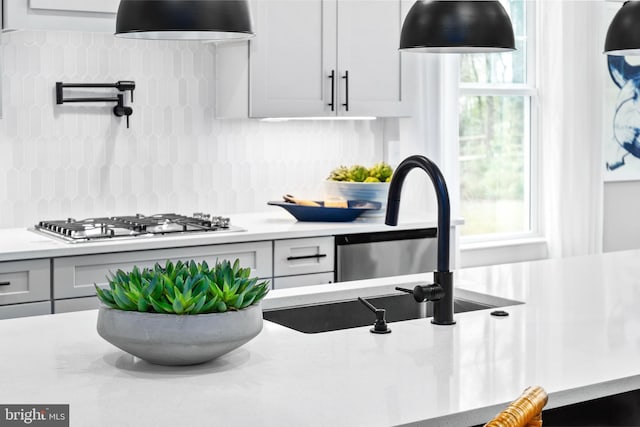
494	181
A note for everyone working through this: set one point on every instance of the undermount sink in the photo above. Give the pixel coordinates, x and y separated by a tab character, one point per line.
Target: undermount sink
332	316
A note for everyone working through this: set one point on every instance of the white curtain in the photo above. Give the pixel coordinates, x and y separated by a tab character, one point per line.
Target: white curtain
571	73
432	130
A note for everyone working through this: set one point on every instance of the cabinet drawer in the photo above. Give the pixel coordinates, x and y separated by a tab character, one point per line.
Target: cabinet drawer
76	304
75	276
25	310
303	256
25	281
302	280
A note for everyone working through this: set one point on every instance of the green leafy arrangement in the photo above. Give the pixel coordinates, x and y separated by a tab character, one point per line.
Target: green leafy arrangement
183	288
380	172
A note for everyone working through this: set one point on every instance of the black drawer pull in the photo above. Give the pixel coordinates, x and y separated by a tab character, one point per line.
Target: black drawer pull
291	258
5	283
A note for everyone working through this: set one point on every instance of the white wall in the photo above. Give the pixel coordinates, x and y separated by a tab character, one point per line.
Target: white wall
621	215
80	160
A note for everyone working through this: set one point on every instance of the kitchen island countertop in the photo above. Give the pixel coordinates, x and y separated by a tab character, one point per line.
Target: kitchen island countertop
22	243
577	335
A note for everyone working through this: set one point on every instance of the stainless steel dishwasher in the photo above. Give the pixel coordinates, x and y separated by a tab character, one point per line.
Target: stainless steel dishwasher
387	253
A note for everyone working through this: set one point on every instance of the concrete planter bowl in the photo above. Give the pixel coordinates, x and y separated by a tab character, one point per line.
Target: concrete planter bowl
171	339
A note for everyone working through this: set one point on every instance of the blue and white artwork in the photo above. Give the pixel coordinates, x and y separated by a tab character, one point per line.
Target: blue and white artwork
622	152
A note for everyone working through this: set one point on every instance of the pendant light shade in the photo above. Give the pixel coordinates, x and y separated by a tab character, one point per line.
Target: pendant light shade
184	19
457	27
623	36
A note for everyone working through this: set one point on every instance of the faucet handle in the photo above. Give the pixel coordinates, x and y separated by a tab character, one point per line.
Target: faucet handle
124	85
405	290
433	292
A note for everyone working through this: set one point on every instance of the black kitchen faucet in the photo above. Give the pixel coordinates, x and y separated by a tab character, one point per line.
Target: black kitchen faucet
441	292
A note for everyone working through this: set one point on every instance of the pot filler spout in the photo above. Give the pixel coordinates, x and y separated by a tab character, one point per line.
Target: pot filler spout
440	292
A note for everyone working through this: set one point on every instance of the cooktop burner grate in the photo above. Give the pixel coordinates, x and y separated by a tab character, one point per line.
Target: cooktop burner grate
138	225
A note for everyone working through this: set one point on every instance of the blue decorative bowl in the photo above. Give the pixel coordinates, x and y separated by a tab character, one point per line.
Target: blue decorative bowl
321	214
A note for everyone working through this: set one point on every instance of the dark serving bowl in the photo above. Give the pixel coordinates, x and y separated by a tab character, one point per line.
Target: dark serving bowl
320	213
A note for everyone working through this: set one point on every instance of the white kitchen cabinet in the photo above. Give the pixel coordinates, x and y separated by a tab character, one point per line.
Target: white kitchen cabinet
291	58
25	310
378	75
25	281
303	262
62	15
75	276
76	304
317	58
302	280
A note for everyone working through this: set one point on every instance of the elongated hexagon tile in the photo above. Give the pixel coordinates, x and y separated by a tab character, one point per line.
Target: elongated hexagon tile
81	160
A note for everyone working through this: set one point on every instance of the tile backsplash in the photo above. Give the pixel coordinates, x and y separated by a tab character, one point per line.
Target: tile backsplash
79	160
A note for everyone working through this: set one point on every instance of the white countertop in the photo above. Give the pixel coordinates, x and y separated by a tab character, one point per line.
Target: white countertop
577	335
21	243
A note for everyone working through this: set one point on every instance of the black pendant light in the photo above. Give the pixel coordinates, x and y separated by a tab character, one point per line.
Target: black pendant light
457	27
184	19
623	36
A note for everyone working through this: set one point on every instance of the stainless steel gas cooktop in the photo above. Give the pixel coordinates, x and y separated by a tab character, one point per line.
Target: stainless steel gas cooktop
134	226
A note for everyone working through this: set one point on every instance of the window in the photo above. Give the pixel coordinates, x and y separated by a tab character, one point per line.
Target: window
496	119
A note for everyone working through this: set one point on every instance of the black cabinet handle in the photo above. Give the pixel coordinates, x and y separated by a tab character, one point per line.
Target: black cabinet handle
332	76
346	90
5	283
306	257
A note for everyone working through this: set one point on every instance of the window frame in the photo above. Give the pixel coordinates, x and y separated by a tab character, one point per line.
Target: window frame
492	242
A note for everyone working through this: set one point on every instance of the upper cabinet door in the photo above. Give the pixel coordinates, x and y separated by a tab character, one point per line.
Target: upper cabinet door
62	15
292	58
368	56
303	52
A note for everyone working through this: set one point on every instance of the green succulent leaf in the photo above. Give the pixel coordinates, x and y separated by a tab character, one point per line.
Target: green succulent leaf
177	306
150	287
200	300
143	305
168	286
201	285
122	300
221	307
160	306
247	301
193	268
227	280
210	305
104	294
179	284
188	284
215	290
239	299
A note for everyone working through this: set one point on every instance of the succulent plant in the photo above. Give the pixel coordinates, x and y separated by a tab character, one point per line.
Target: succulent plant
183	288
358	173
341	173
380	172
